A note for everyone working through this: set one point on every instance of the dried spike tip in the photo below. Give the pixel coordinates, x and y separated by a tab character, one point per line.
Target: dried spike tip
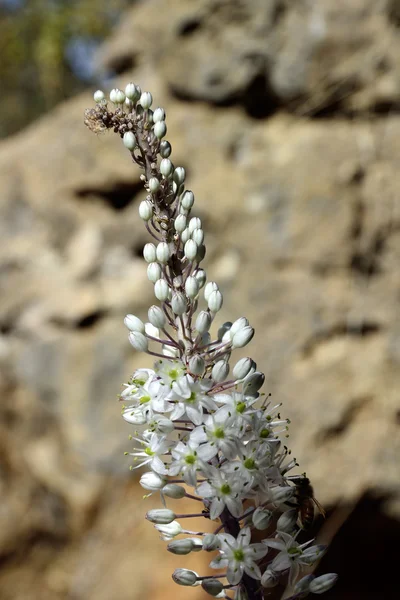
93	121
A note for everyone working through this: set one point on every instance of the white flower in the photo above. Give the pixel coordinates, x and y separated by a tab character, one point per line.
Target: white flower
169	370
236	404
187	462
153	448
168	532
218	433
190	398
253	459
223	490
239	556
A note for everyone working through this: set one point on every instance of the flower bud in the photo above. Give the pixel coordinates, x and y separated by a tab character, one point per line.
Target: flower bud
203	321
132	92
184	577
187	200
190	249
113	95
146	100
162	425
173	490
179	303
161	516
159	115
262	518
133	323
220	371
198	236
145	210
166	167
151	481
269	579
165	149
281	494
134	416
215	301
163	253
170	351
120	97
156	316
180	546
197	544
161	290
149	253
196	364
242	337
323	583
180	223
253	383
160	129
191	287
210	287
179	175
139	341
211	542
238	324
303	586
185	235
168	532
243	368
154	185
201	277
223	331
287	521
129	140
212	586
99	96
194	223
313	553
154	272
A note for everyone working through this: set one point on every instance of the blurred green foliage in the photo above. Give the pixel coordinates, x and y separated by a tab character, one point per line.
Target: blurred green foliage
43	45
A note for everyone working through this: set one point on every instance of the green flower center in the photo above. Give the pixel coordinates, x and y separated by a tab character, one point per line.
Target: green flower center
190	459
250	463
225	488
238	555
294	551
149	452
219	433
191	398
264	433
173	374
240	407
145	399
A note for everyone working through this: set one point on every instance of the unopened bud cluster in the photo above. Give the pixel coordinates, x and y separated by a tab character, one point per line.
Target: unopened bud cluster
204	430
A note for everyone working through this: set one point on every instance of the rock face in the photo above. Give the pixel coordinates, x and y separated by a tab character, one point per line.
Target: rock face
285	116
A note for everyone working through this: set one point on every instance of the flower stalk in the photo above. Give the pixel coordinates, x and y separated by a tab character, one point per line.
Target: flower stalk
198	423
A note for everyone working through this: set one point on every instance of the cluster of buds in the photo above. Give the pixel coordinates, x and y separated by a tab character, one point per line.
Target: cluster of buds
203	431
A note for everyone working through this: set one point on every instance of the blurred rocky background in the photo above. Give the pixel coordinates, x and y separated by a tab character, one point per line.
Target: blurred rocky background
285	115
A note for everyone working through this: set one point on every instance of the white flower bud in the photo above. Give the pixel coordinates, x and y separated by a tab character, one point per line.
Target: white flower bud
238	325
180	223
149	253
196	365
151	330
154	272
173	490
129	140
187	200
154	185
194	223
242	337
133	323
191	287
161	516
215	301
198	236
212	586
132	91
210	287
156	316
146	100
220	371
151	481
180	546
303	586
113	95
179	303
163	425
139	341
134	416
160	129
184	577
170	351
253	383
243	368
223	331
161	290
145	210
166	167
313	553
269	579
281	494
159	115
165	149
185	235
287	521
168	532
262	518
323	583
201	277
211	542
197	544
203	321
205	339
179	175
120	97
201	252
190	249
163	253
99	96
